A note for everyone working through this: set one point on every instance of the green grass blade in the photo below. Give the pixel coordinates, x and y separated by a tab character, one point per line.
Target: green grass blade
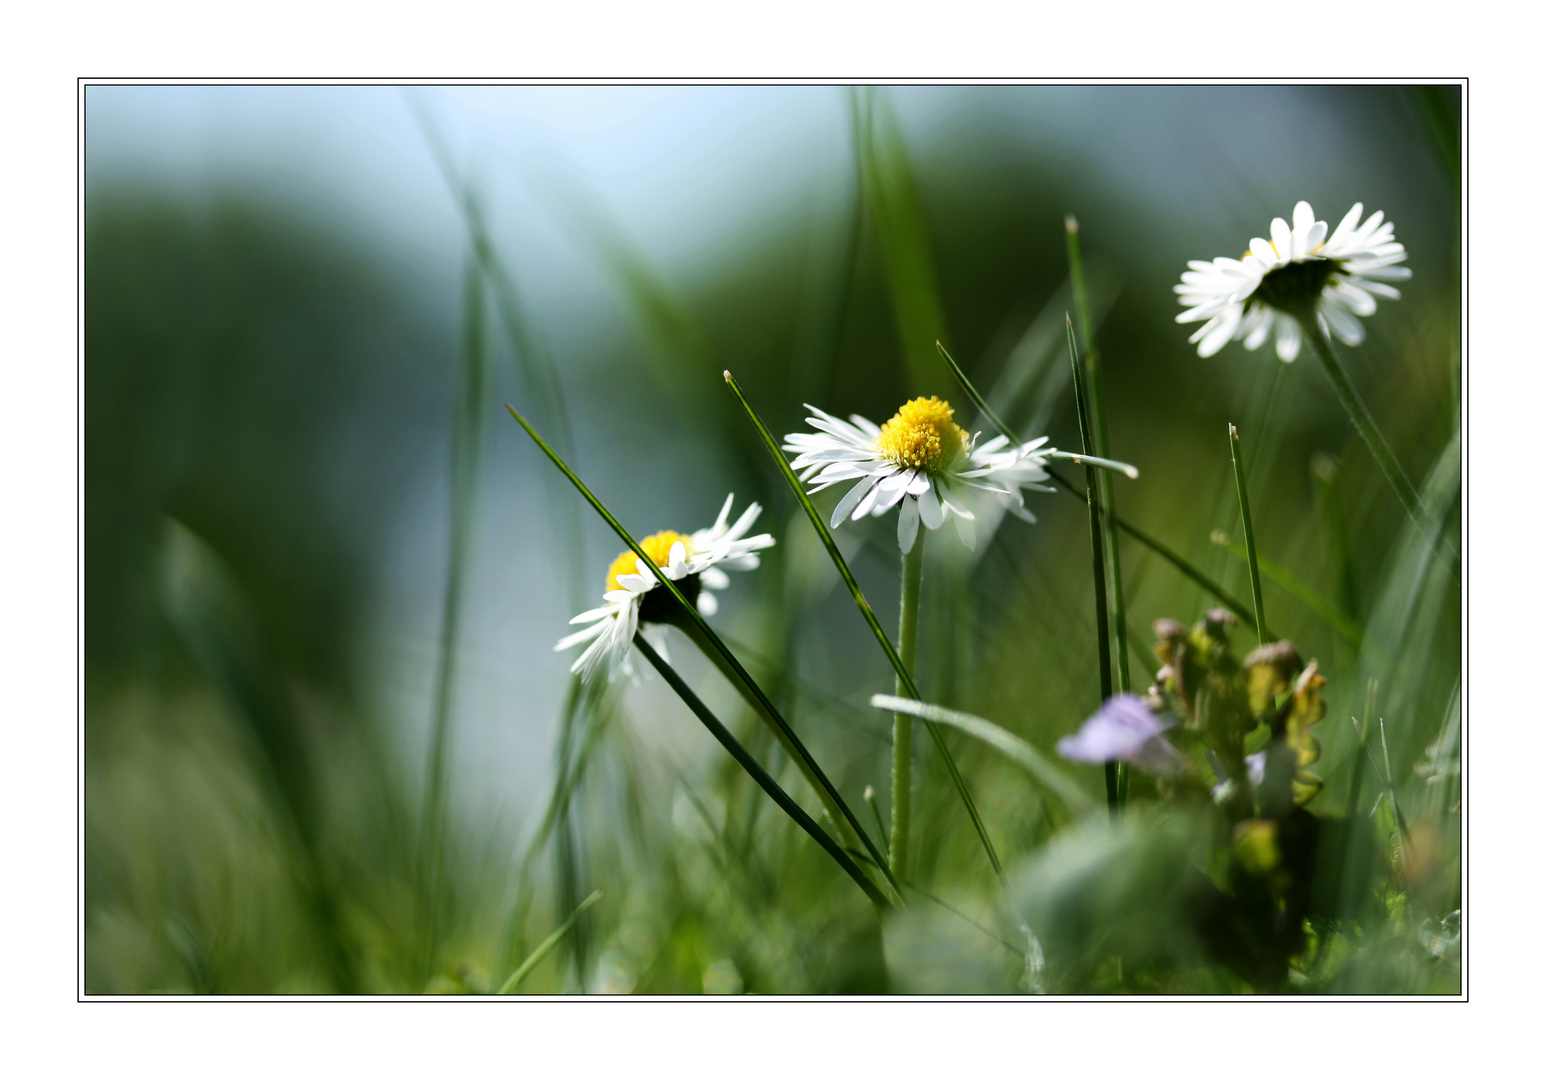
469	424
1010	745
976	398
1335	617
1097	554
964	917
1159	548
880	826
1384	456
891	193
1222	595
691	618
758	773
1250	533
546	947
537	368
869	617
1384	775
1102	445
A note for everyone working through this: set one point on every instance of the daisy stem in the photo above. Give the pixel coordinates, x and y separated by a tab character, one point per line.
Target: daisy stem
1092	500
744	758
902	724
1309	325
903	675
1250	534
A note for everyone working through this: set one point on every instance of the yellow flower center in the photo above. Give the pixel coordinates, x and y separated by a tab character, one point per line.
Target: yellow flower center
657	547
921	435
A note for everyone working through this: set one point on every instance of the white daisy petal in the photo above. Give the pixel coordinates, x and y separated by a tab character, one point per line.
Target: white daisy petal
1282	239
707	553
1288	339
1304	217
1342	323
966	529
846	504
584	635
1354	262
929	509
907	525
866	504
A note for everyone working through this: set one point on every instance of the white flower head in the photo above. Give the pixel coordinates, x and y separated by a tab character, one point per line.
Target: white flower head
1297	269
921	460
696	563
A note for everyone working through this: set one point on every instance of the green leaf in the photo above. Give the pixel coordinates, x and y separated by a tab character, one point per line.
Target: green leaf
546	947
1010	745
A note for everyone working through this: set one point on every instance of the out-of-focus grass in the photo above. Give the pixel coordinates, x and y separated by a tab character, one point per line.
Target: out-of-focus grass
250	827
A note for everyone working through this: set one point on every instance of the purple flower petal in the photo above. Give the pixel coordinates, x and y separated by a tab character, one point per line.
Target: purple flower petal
1123	730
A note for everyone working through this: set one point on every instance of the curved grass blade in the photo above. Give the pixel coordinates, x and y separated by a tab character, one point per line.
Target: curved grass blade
696	621
1010	745
1129	471
1097	554
1250	533
869	616
744	758
1334	616
1154	545
546	947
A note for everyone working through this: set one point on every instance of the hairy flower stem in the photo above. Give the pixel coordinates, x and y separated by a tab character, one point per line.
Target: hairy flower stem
902	724
1364	422
845	831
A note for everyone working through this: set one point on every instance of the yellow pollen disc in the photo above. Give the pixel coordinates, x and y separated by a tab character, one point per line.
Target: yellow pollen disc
657	547
921	435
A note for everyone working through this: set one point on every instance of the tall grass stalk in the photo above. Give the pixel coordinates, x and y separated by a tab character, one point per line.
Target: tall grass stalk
902	724
514	981
1250	533
1097	555
689	616
902	233
904	675
1102	446
469	423
1335	617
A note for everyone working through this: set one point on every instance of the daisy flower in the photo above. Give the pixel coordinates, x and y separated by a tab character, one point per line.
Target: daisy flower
921	460
1277	281
696	562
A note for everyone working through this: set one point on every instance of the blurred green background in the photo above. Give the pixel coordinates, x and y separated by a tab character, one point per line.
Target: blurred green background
328	745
